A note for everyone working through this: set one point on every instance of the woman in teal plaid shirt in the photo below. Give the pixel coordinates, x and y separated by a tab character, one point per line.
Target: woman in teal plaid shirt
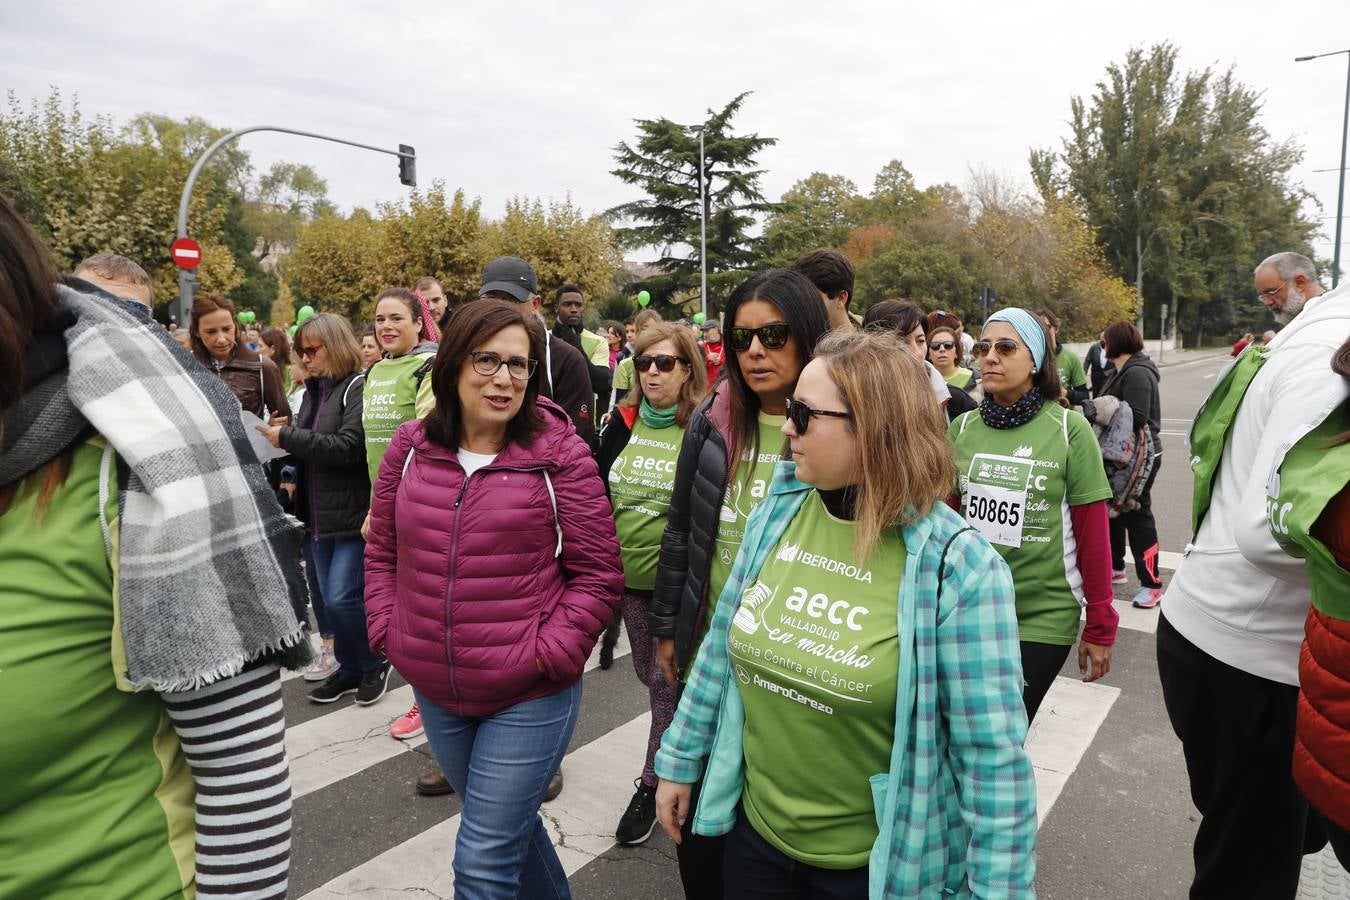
857	703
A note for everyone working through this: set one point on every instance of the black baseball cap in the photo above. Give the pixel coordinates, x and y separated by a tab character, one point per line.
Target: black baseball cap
511	275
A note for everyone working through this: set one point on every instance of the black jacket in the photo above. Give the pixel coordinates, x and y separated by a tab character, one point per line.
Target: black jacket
329	446
601	376
679	600
567	382
613	438
960	402
1137	384
1098	368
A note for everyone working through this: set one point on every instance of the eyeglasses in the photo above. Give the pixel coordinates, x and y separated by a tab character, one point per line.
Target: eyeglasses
487	364
773	336
942	345
1004	346
307	352
799	414
1269	293
664	362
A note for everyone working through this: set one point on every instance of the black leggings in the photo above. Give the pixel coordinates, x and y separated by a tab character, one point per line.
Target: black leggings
1040	664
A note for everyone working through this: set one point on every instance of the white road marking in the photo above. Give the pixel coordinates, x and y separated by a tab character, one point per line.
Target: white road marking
1065	725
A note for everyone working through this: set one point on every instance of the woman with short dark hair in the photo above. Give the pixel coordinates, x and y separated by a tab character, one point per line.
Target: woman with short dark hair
1133	379
492	568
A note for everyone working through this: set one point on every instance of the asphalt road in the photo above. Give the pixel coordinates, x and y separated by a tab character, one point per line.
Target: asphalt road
1117	821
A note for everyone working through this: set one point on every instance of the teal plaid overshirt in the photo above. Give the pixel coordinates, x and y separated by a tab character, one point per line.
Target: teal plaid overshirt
957	810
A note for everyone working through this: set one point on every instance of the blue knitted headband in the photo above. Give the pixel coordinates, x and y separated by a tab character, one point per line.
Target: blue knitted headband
1028	328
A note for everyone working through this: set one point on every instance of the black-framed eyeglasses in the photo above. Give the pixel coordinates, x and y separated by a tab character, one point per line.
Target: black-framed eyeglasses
942	345
307	352
1003	346
487	364
664	362
799	414
773	336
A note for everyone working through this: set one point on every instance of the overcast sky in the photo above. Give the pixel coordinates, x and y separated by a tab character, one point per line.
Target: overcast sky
506	98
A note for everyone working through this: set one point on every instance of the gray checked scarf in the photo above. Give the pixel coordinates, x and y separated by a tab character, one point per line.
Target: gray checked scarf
208	563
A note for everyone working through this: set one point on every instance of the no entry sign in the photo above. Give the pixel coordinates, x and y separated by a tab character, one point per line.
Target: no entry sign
187	253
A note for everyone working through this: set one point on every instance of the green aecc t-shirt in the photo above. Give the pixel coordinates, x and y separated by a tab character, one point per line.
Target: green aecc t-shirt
391	396
640	484
815	650
1017	485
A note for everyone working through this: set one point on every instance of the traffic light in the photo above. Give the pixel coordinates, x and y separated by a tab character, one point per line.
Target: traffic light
407	165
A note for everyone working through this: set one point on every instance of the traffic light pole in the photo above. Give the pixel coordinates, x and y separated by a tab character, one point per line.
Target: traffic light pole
187	279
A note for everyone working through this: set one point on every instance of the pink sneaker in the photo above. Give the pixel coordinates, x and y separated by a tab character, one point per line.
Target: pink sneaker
407	726
1147	598
1118	576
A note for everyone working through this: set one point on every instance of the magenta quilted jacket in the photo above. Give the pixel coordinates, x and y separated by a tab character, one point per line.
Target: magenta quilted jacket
469	581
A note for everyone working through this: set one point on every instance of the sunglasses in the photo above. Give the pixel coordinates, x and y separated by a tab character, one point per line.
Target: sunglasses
773	336
307	352
487	364
1004	346
664	362
799	414
942	345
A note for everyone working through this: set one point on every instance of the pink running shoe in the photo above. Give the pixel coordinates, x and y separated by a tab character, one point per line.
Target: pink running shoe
1147	598
1118	576
407	726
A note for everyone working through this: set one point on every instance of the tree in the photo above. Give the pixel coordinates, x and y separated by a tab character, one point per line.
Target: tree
433	236
818	211
1183	187
337	265
664	164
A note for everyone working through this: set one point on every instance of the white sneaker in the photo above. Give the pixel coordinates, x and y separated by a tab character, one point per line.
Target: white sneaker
324	666
1118	576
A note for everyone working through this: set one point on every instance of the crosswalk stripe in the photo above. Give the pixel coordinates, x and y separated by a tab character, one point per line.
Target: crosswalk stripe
1065	725
582	823
329	748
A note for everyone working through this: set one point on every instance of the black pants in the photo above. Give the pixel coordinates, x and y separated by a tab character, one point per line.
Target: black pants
757	870
1040	664
1237	733
700	858
1139	527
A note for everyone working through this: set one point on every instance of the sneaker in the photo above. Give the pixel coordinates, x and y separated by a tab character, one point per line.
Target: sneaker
434	784
1118	576
335	688
407	726
1147	598
639	819
373	685
554	786
324	666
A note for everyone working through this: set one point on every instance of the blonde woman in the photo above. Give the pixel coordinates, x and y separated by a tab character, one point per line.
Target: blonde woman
867	628
638	452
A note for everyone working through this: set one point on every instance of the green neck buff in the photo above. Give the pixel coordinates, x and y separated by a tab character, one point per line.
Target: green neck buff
657	418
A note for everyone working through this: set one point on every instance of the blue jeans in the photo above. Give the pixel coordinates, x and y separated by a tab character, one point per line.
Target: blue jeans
316	595
340	564
500	765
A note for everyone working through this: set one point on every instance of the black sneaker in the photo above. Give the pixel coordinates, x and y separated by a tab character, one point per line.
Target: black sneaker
640	817
373	685
335	688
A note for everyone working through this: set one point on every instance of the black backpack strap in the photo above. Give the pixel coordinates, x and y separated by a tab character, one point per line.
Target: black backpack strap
421	373
942	563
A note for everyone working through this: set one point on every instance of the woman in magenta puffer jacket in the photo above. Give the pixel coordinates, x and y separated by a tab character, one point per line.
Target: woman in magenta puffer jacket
491	568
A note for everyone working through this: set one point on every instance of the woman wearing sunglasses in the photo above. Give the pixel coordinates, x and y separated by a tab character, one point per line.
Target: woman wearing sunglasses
638	451
1033	484
492	568
332	496
903	320
855	712
730	447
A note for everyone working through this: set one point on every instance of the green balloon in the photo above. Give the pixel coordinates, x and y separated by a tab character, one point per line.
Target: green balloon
644	298
303	314
248	317
294	329
699	318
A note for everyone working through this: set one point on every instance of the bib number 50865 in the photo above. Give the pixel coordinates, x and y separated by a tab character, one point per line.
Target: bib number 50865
996	513
1000	512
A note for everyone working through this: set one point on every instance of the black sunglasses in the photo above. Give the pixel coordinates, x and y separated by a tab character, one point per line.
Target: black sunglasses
942	345
799	414
773	336
664	362
1004	346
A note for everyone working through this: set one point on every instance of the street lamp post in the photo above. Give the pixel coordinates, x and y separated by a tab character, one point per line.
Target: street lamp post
1340	194
187	279
703	229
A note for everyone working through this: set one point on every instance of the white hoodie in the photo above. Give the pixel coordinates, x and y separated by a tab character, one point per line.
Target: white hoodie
1238	596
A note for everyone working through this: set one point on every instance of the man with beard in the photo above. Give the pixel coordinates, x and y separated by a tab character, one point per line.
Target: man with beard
1233	616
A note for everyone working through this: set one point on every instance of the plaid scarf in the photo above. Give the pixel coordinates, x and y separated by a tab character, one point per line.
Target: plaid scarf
208	574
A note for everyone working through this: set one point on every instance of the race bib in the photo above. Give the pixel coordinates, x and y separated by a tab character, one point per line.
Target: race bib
996	497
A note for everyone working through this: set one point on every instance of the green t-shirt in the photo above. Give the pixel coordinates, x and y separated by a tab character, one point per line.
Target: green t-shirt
960	378
815	648
748	485
623	377
640	484
1071	374
393	395
96	799
1017	485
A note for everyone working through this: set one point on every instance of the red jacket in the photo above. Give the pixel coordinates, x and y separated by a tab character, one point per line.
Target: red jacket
470	581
